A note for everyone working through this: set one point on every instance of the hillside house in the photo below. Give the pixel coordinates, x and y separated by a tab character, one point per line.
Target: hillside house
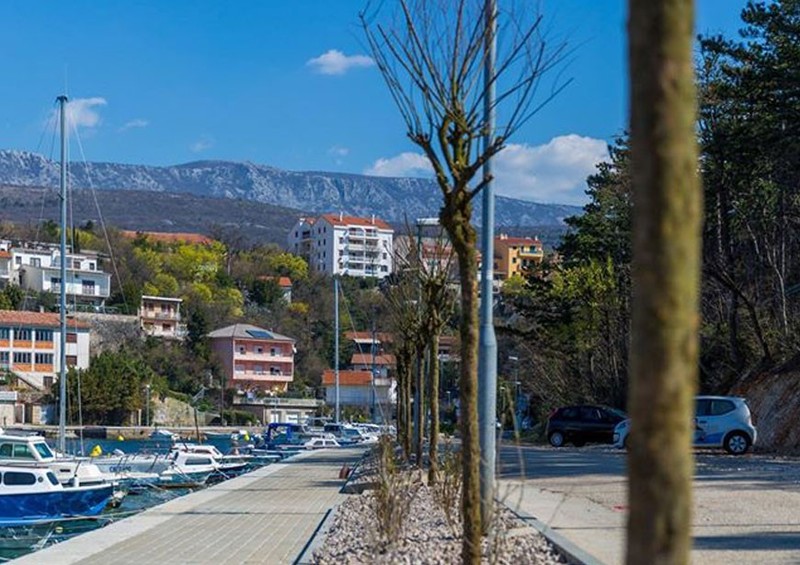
254	358
160	316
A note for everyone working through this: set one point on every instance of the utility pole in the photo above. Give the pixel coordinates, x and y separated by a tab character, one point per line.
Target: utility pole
487	342
336	339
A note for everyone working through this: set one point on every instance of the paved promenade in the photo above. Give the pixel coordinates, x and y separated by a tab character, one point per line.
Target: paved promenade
267	516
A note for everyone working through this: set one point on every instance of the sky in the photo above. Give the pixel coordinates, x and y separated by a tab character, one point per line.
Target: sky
288	84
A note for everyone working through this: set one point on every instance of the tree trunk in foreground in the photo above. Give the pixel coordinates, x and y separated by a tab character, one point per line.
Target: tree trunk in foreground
666	280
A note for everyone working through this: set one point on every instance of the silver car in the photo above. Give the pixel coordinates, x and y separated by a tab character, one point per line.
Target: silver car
720	421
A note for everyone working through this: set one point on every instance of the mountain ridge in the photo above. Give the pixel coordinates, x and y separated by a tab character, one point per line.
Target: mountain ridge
314	192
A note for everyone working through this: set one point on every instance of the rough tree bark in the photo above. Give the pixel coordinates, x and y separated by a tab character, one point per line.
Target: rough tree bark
666	280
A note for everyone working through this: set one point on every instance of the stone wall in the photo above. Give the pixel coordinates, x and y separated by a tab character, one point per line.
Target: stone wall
109	331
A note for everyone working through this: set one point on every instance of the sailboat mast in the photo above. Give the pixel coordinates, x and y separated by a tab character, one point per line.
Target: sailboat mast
62	365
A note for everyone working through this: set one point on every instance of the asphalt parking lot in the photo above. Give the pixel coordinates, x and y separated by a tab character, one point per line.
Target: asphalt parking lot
745	510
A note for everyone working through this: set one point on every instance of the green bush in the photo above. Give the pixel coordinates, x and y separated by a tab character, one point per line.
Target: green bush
239	417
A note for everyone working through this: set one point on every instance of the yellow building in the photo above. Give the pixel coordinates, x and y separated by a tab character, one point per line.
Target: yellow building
515	255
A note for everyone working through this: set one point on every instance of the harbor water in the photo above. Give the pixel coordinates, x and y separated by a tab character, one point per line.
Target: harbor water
18	541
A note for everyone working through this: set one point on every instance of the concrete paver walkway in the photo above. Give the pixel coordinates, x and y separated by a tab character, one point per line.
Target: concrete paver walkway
267	516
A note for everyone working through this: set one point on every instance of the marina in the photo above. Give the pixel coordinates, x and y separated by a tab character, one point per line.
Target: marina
268	515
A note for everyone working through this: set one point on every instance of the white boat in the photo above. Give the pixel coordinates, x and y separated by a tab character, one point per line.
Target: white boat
322	442
33	494
161	433
227	464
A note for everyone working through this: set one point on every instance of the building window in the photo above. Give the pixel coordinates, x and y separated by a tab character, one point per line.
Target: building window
88	288
259	349
76	264
273	352
20	357
3	358
239	369
22	334
47	382
44	335
166	327
242	349
55	282
18	260
43	358
5	333
274	370
72	360
36	262
92	267
72	337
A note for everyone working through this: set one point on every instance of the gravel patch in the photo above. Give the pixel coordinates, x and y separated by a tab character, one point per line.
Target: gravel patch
425	536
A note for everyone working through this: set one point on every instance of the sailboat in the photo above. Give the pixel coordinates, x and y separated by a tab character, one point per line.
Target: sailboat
43	477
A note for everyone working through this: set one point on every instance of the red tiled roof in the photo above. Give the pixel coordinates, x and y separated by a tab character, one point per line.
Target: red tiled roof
506	240
366	359
283	282
38	319
168	237
347	377
333	219
367	336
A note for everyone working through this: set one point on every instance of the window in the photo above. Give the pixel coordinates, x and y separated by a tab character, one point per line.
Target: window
92	267
52	478
259	349
273	351
47	382
22	357
590	414
44	335
43	358
3	357
43	449
702	407
720	407
239	369
36	262
22	451
72	337
274	370
166	327
72	360
88	288
5	450
18	260
568	413
22	334
5	333
55	282
76	263
16	478
242	349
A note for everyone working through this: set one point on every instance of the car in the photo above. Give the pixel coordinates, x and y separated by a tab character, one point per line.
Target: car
720	421
582	424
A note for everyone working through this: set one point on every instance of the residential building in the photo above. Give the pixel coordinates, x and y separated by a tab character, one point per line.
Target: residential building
38	268
272	409
30	346
382	363
336	244
284	283
6	265
356	388
513	256
254	358
160	316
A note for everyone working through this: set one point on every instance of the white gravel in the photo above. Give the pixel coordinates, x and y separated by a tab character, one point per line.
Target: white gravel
426	537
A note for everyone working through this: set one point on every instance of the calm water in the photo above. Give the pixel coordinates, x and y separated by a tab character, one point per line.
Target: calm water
15	542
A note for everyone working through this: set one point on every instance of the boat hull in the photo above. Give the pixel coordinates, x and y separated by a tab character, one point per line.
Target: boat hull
32	508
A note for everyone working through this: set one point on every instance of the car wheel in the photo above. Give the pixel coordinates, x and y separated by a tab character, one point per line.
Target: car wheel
736	443
556	439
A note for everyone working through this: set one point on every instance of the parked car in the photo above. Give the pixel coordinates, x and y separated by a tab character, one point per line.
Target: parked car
720	421
583	424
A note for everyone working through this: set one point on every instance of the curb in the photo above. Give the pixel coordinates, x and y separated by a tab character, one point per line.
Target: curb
567	548
307	555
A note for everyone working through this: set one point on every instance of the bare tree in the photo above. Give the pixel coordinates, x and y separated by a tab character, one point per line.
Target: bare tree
666	280
431	56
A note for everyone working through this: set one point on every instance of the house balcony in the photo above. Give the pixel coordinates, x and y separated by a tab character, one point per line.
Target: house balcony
154	315
262	357
263	376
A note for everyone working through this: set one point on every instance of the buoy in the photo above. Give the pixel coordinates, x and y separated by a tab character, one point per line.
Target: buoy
246	436
120	438
97	451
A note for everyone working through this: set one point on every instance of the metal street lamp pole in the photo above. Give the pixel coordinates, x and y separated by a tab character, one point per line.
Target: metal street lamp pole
487	356
147	388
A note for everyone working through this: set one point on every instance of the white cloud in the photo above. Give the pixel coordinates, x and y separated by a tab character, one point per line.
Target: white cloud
81	112
334	62
553	172
205	142
404	165
339	151
135	123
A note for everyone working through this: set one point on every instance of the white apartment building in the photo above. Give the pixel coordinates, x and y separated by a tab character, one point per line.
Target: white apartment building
38	268
336	244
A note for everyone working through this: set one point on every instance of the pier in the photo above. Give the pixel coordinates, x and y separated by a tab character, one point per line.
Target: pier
267	516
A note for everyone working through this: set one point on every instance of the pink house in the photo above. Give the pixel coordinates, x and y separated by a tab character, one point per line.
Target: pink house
254	358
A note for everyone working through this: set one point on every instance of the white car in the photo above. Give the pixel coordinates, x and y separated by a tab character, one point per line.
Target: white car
720	421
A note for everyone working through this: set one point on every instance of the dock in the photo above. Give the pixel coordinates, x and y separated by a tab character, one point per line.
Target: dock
269	515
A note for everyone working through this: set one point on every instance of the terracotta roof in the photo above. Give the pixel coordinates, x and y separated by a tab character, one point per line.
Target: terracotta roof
333	219
366	359
38	319
347	377
5	254
450	340
283	282
167	237
367	336
506	240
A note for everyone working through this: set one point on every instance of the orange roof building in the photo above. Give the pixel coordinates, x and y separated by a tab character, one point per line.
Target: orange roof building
513	256
169	237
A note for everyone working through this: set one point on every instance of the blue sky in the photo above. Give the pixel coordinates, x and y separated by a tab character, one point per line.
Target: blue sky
286	84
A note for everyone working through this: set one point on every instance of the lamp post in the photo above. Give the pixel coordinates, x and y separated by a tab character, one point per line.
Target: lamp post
147	391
